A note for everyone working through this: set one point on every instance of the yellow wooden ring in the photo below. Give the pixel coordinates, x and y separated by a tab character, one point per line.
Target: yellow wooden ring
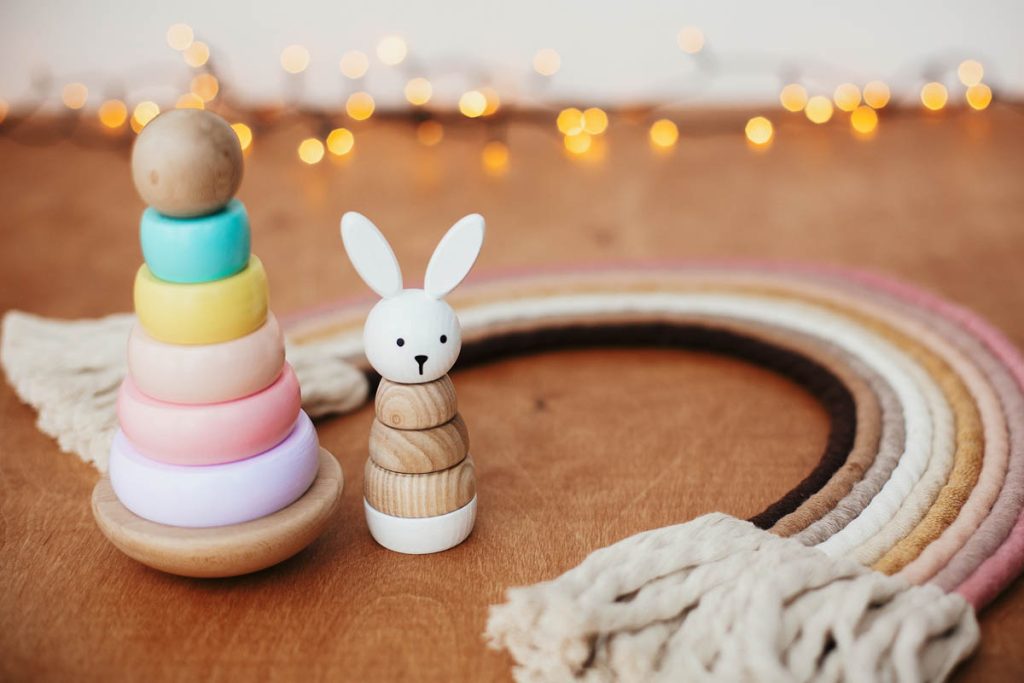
205	312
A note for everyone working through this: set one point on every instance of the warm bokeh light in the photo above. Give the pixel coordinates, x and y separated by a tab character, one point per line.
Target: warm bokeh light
392	50
876	94
205	87
74	95
847	96
190	101
180	36
691	40
430	133
759	130
244	134
970	72
113	113
495	157
340	141
493	101
595	121
418	91
979	96
818	109
4	108
196	54
664	133
864	120
143	113
354	64
547	62
360	105
934	96
793	97
473	103
570	121
578	143
294	59
311	151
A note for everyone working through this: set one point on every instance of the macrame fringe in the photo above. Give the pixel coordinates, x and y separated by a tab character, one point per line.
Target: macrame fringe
718	599
70	371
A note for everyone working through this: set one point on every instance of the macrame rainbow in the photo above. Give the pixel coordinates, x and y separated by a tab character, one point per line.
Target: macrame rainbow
923	476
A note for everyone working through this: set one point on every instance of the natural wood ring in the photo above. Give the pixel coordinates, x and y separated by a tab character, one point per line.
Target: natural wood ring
226	550
419	495
416	406
419	451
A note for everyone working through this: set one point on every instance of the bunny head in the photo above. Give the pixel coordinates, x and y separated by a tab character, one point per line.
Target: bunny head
412	335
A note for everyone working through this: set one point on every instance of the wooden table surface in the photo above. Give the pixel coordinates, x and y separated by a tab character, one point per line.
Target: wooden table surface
574	449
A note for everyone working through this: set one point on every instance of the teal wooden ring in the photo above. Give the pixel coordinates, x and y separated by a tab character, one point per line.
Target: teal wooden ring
201	249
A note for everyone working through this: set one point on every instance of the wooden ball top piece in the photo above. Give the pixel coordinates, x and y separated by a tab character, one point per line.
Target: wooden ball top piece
187	163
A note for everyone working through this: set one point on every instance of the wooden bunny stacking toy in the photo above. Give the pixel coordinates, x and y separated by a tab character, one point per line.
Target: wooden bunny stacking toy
215	470
420	489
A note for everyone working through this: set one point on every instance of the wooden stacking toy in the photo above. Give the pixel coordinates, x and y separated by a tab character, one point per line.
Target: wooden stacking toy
420	486
215	470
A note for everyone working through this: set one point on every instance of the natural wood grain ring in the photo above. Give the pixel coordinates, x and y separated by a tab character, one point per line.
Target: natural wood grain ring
228	550
416	406
419	451
419	495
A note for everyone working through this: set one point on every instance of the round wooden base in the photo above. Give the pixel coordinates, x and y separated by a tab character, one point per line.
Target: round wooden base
226	550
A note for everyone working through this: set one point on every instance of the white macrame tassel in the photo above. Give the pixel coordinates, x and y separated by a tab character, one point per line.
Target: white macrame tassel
718	599
70	372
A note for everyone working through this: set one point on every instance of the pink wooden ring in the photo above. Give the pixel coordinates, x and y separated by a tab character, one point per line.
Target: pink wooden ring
213	433
206	373
217	495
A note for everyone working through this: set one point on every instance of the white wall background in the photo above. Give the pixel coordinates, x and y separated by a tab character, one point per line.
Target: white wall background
612	50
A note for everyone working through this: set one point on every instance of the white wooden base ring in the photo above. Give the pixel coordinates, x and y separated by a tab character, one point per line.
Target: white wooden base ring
421	535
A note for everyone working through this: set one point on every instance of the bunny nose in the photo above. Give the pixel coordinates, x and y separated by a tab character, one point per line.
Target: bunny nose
421	360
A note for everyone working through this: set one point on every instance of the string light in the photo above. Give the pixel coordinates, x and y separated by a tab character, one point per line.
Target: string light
495	157
429	133
577	143
143	113
847	96
74	95
189	101
340	141
360	105
112	113
876	94
244	134
196	54
595	121
418	91
391	50
205	86
664	133
311	151
818	109
294	59
864	120
793	97
759	131
547	62
970	72
979	96
934	96
570	121
691	40
179	36
354	64
472	104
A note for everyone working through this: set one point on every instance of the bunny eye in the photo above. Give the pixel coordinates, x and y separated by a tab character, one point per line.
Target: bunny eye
444	338
400	342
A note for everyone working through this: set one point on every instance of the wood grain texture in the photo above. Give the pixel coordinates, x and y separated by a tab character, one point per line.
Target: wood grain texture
227	550
557	436
419	495
416	406
419	451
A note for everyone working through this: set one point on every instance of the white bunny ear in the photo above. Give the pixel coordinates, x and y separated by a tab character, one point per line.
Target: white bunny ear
454	256
371	254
